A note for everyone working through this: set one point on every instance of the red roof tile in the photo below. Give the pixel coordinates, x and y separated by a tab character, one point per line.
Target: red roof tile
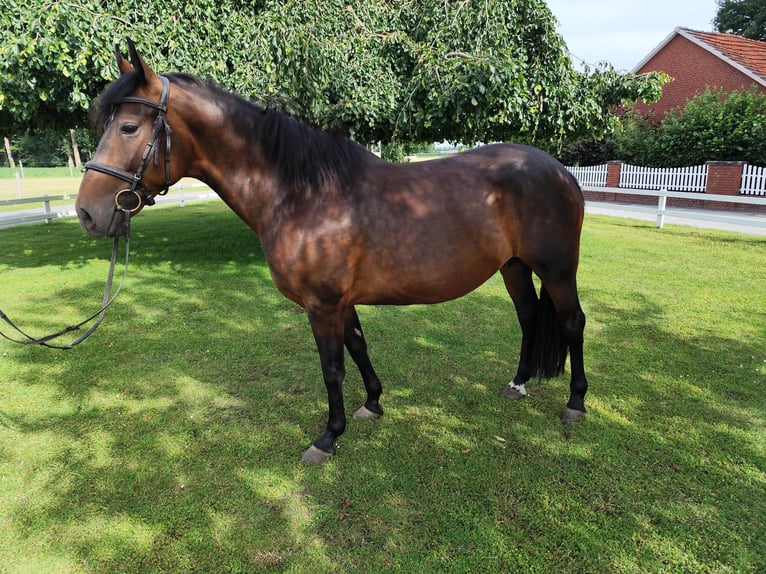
748	53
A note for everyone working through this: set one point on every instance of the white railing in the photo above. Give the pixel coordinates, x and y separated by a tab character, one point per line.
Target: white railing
671	178
662	211
180	197
590	175
47	212
753	180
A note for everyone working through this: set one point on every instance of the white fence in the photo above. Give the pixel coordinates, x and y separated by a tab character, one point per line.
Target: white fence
47	212
662	211
179	194
753	180
692	179
590	175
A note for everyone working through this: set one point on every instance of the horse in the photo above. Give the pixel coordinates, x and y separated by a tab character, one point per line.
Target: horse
341	227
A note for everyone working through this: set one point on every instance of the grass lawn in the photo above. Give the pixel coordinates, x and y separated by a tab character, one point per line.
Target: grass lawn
38	182
170	440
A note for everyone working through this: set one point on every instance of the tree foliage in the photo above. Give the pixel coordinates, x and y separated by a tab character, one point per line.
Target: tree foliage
712	126
743	17
383	71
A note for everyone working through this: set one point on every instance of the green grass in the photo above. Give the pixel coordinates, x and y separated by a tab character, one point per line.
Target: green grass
38	182
36	172
169	442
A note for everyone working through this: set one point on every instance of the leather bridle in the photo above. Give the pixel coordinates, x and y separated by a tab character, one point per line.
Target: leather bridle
120	220
137	187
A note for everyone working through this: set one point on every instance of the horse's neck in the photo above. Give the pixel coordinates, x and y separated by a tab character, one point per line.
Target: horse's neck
235	169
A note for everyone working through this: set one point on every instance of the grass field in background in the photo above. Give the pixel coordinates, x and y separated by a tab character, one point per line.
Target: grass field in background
38	181
36	172
169	441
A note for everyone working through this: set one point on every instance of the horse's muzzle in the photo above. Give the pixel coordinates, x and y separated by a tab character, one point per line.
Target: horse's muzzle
117	225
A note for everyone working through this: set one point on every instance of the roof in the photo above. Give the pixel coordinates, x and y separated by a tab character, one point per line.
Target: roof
747	56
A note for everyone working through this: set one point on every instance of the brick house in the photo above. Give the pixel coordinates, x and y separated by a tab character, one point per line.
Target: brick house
697	60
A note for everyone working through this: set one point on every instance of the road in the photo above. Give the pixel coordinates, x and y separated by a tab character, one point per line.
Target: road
738	221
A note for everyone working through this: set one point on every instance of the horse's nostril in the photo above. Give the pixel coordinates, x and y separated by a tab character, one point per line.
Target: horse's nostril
84	216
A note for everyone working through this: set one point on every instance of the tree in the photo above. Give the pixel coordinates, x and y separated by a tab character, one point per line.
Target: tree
743	17
55	57
382	71
433	70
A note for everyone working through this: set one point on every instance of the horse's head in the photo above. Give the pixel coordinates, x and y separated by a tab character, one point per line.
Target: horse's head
132	162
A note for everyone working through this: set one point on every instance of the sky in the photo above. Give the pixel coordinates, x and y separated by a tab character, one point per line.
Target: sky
623	32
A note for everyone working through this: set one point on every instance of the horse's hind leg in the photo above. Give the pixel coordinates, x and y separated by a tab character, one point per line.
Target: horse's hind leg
518	282
353	337
572	320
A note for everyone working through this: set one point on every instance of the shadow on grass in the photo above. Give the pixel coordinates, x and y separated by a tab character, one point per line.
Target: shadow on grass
170	441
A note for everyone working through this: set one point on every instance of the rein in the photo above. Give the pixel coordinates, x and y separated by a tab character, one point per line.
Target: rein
123	209
99	315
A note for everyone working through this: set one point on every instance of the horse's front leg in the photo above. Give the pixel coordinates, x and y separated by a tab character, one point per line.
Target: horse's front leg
327	325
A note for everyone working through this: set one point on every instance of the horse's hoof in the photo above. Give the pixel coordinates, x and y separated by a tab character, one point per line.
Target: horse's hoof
513	392
572	416
366	414
315	455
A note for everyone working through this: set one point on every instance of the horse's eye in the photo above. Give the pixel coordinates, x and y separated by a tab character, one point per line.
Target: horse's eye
128	129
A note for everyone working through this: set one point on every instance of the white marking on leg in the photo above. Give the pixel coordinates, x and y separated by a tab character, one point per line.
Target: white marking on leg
513	391
358	332
519	388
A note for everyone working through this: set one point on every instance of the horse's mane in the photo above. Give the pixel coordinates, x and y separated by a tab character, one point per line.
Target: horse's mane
302	156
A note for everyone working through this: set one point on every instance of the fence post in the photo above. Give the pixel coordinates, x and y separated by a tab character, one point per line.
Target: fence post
725	178
47	207
613	169
662	200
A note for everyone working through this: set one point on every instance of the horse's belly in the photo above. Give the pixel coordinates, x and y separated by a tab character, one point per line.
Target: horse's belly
419	286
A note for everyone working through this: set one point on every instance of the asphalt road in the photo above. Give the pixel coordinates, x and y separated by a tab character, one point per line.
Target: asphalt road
740	222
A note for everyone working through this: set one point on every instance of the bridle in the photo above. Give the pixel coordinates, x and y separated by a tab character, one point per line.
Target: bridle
120	220
137	188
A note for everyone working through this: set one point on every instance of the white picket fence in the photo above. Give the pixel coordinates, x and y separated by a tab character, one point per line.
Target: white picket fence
753	180
594	175
692	178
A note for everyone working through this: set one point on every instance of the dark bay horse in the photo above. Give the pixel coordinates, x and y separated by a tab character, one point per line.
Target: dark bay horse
341	227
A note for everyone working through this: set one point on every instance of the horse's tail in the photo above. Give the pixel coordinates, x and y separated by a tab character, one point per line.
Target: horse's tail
549	349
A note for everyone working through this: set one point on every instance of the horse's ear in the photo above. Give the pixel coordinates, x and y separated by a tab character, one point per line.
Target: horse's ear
122	63
144	72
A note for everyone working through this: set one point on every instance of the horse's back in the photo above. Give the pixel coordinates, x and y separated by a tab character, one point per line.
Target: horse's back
527	173
435	230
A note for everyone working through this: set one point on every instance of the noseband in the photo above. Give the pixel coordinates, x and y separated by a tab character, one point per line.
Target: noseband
137	188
